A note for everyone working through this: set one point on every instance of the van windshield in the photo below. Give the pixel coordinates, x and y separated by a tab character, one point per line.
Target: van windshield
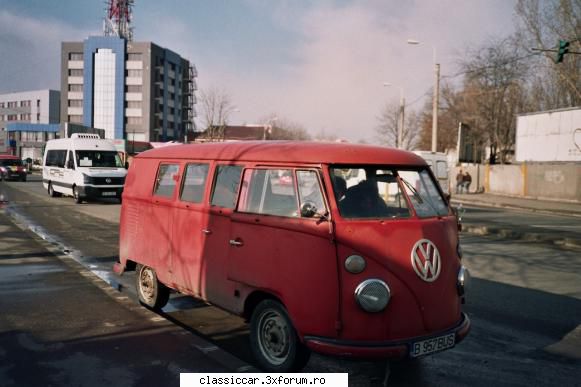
98	159
384	192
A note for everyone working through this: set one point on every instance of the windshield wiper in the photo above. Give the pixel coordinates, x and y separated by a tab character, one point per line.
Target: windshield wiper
418	197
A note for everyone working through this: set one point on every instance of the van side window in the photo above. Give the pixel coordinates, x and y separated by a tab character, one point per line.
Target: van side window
194	183
226	185
56	158
310	190
269	192
165	182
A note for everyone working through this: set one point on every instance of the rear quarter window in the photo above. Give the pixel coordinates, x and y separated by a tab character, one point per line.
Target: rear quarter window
166	180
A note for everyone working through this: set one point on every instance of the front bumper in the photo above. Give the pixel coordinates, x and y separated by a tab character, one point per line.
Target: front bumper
380	349
88	191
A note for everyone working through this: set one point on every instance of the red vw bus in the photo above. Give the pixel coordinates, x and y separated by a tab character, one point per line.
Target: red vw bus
342	249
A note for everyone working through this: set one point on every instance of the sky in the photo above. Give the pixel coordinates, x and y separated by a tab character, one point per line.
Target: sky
321	64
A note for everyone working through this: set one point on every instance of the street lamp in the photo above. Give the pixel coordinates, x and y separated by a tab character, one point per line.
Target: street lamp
400	126
435	98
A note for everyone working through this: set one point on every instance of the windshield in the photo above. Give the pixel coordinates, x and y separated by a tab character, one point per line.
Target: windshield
380	192
11	162
98	159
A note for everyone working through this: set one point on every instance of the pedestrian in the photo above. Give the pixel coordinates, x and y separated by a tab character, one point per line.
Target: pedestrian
467	181
459	181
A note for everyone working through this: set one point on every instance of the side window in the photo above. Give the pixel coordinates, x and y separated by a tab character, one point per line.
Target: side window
165	182
56	158
269	192
194	183
310	191
226	185
71	161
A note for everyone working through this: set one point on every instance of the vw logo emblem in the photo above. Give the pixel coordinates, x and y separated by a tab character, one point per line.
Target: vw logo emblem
108	180
426	260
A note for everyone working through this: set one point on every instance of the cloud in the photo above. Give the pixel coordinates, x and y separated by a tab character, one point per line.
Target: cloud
31	50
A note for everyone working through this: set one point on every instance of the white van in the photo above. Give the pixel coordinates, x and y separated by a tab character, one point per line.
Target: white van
438	161
83	166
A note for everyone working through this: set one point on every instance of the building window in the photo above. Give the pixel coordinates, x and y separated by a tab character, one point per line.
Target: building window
25	103
135	56
75	56
38	103
37	117
134	104
1	105
134	73
75	102
133	89
75	87
75	72
25	117
12	117
133	120
172	66
75	118
12	104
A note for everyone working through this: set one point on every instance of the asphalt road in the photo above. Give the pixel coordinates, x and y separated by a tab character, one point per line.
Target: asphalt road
524	302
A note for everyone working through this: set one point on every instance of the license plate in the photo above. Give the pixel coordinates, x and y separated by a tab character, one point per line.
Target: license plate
436	344
109	193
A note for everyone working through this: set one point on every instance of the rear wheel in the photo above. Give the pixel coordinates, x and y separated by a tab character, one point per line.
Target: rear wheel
274	341
151	292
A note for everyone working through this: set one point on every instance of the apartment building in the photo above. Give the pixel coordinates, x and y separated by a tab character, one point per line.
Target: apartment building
137	91
27	120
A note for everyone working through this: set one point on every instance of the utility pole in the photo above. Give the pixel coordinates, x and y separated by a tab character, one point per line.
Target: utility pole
401	121
435	103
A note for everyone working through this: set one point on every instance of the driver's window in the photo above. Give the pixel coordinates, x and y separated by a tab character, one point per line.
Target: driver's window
310	191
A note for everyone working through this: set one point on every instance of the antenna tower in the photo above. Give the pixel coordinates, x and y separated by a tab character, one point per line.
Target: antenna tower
118	19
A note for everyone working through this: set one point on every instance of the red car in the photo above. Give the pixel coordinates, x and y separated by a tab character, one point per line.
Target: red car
11	167
367	267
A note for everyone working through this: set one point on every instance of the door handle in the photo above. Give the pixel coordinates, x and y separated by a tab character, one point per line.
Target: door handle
236	242
206	231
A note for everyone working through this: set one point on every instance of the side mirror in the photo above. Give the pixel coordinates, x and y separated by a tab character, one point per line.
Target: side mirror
127	165
308	209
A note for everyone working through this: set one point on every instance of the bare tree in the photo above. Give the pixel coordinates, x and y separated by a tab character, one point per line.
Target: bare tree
216	110
543	24
387	132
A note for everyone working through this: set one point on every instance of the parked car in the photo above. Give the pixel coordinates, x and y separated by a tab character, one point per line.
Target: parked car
367	270
12	168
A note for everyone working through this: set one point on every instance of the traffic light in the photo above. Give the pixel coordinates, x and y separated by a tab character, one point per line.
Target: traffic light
563	49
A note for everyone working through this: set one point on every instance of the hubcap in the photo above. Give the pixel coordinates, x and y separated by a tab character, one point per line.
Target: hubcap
273	337
146	281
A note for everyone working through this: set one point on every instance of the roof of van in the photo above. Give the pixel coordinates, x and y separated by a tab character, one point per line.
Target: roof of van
288	151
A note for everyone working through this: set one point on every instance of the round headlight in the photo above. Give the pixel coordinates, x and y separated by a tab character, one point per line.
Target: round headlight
463	280
372	295
355	264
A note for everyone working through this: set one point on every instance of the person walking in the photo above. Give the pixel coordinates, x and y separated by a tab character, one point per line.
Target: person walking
467	181
459	181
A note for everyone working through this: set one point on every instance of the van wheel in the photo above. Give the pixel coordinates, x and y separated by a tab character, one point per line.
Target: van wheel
151	292
51	191
274	341
76	196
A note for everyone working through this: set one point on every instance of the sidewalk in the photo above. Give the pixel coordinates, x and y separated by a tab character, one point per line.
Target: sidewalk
61	325
536	205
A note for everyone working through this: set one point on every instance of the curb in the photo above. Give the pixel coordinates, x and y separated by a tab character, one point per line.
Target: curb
477	203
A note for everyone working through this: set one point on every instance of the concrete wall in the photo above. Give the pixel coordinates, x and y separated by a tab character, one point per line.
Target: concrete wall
555	181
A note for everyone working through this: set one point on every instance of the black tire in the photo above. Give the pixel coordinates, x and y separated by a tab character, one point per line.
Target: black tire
76	195
152	293
23	178
274	341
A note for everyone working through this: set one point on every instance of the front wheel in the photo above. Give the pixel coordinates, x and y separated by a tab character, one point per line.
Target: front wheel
51	192
274	341
76	195
151	292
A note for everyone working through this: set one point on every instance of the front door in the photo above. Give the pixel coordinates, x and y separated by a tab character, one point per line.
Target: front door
277	248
